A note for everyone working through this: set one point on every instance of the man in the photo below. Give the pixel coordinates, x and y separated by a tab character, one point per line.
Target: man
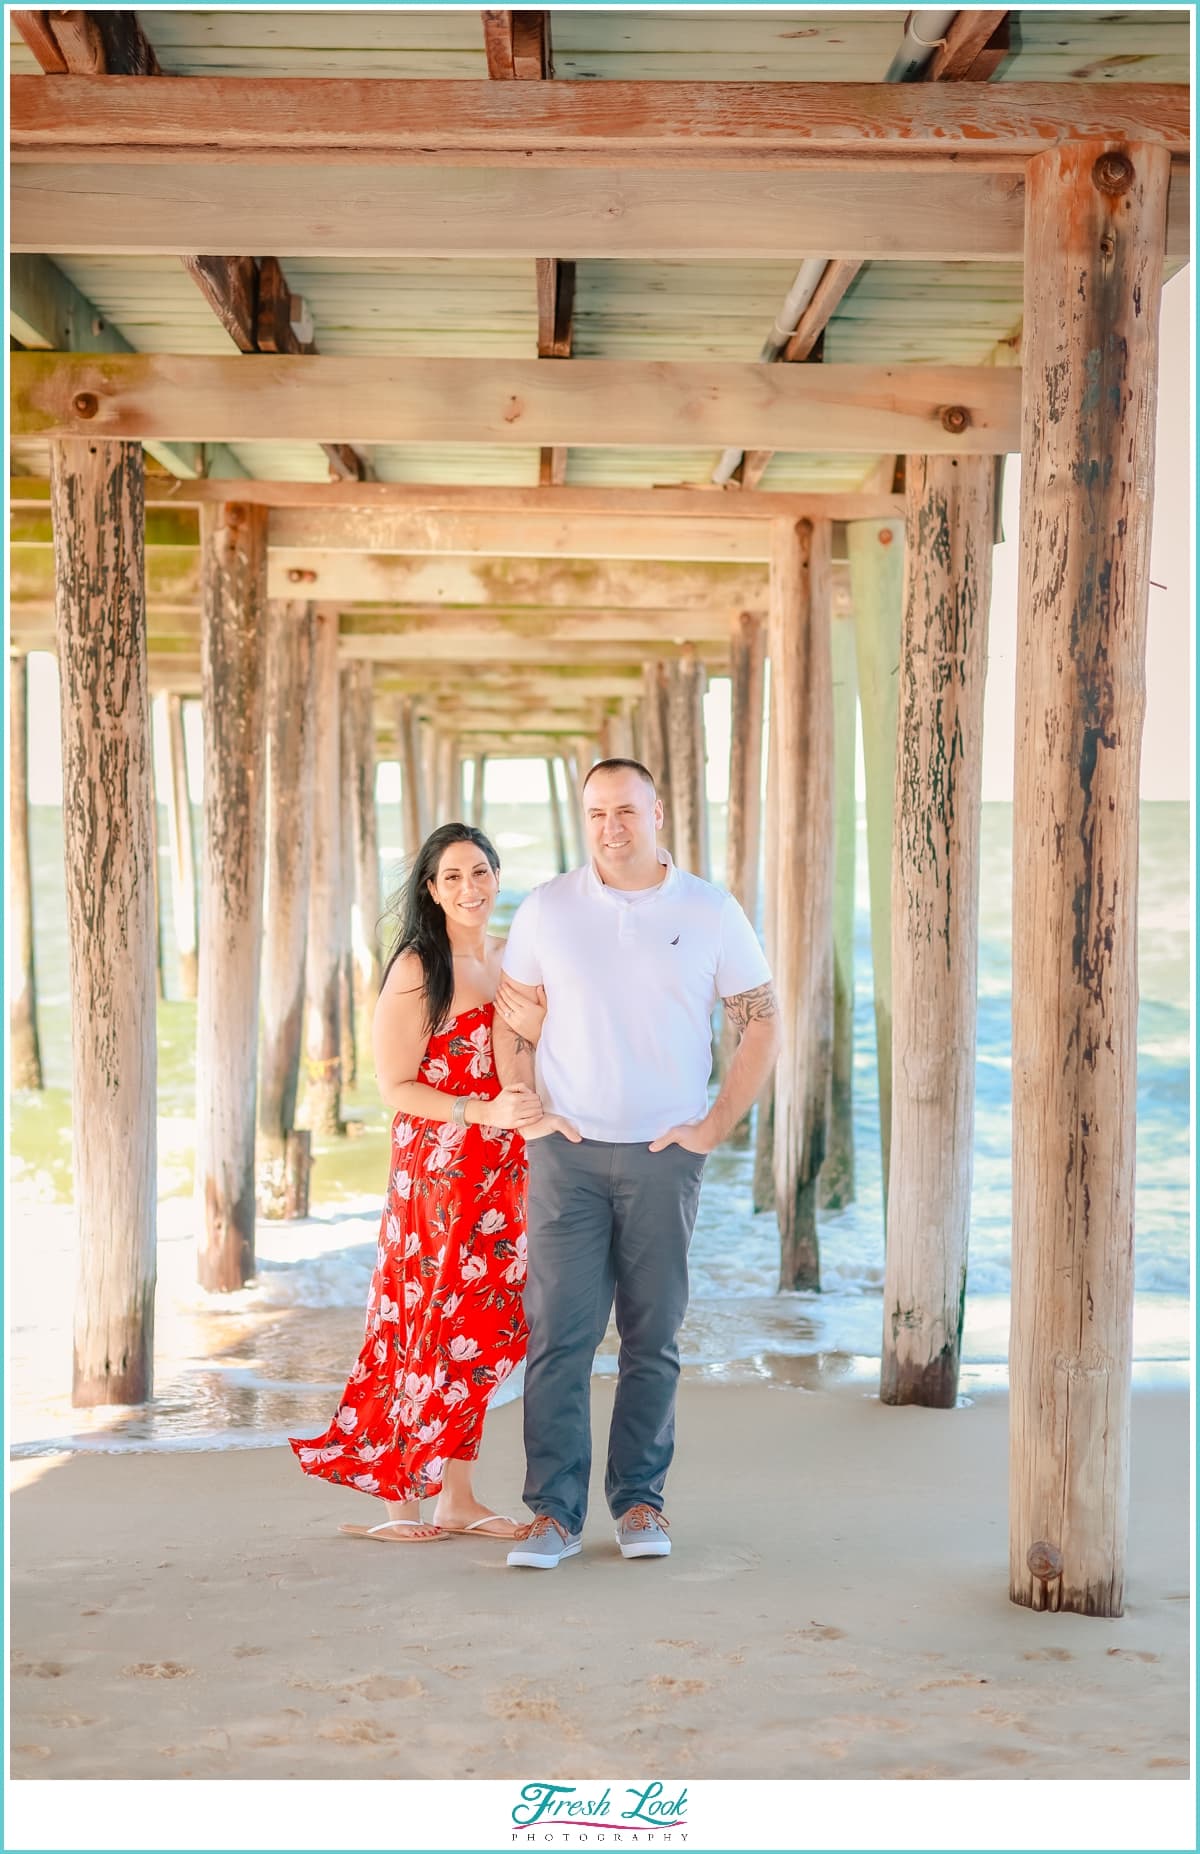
633	954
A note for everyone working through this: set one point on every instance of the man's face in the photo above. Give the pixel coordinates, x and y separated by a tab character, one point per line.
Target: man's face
621	814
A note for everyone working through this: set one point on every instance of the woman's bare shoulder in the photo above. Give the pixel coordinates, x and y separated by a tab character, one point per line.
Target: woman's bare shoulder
405	977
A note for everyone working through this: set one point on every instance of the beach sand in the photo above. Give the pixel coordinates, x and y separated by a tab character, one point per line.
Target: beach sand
835	1606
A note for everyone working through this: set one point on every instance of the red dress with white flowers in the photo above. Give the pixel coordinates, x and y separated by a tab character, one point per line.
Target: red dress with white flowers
445	1323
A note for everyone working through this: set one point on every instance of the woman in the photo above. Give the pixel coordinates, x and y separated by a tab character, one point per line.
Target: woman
444	1318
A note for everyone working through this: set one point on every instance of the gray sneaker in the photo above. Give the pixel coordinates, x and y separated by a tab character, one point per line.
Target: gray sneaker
544	1543
642	1533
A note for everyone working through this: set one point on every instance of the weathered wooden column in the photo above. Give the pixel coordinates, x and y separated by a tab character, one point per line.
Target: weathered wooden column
25	1051
412	775
656	750
575	805
686	752
233	570
748	650
877	596
160	988
427	740
837	1173
558	834
763	1188
284	1151
182	850
935	923
98	514
1095	218
802	720
322	1040
347	973
365	836
477	778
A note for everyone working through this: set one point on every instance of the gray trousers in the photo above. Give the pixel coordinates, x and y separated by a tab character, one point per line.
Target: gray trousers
605	1222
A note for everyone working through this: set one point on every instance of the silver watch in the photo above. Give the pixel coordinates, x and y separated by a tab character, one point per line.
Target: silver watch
459	1111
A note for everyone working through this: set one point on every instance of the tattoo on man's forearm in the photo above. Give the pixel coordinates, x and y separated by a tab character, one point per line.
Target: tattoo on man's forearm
751	1006
523	1046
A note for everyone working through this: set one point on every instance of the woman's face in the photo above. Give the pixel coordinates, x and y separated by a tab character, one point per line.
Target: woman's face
465	886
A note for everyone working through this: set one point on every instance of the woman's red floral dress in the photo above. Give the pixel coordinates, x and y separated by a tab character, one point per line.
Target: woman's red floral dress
445	1323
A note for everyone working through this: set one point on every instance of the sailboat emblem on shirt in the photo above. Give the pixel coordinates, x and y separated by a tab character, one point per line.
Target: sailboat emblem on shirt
675	941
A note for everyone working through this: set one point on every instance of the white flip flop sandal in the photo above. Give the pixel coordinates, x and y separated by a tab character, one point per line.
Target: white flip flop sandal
477	1525
389	1525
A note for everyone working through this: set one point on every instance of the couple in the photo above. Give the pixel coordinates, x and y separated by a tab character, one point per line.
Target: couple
592	1153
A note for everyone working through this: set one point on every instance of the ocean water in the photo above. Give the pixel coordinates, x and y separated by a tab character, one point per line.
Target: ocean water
246	1369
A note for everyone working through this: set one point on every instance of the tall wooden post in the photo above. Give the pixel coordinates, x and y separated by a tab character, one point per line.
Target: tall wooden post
427	738
233	549
656	751
837	1173
289	850
1095	219
448	802
477	778
347	975
323	1036
367	902
98	514
877	596
686	752
748	650
412	775
575	804
182	850
25	1051
558	834
802	718
935	923
763	1188
160	989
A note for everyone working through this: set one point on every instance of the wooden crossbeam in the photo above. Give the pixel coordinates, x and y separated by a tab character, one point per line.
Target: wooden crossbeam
371	400
86	44
976	44
701	503
496	212
47	311
364	122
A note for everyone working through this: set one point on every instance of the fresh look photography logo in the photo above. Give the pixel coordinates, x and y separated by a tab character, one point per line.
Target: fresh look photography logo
630	1813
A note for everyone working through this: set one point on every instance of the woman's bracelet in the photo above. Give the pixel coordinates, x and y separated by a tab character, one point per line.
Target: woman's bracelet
458	1112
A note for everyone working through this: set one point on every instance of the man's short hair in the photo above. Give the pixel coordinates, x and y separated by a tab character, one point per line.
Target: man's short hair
636	766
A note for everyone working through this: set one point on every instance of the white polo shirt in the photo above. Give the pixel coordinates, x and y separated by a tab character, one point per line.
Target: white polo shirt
631	981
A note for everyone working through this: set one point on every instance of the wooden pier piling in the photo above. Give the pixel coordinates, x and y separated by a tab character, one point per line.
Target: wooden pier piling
290	763
233	700
182	850
98	515
322	1014
1095	217
24	1049
935	923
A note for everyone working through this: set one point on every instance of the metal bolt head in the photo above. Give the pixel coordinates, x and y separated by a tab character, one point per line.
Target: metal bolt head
955	419
85	405
1113	172
301	576
1044	1561
885	537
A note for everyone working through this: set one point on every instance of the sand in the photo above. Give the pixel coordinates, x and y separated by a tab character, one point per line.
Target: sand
835	1607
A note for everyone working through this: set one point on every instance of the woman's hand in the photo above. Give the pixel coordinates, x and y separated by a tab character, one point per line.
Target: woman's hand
513	1109
523	1015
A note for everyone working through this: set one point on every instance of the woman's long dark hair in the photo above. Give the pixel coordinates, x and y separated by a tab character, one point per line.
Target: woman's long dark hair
421	925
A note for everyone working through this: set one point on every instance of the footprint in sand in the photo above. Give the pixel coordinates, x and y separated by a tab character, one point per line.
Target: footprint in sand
386	1687
31	1750
668	1683
157	1670
355	1732
243	1651
817	1632
1166	1763
40	1670
1047	1654
1133	1654
726	1564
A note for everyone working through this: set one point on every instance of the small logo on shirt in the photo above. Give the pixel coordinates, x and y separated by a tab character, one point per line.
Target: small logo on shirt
675	941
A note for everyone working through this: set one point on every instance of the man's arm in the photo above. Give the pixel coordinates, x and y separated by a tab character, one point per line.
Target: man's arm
756	1014
513	1053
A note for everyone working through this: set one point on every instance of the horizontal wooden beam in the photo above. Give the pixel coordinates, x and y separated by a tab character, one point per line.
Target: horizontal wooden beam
364	121
305	540
698	504
47	311
590	402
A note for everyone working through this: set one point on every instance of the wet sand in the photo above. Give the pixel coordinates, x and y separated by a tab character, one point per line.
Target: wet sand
841	1615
